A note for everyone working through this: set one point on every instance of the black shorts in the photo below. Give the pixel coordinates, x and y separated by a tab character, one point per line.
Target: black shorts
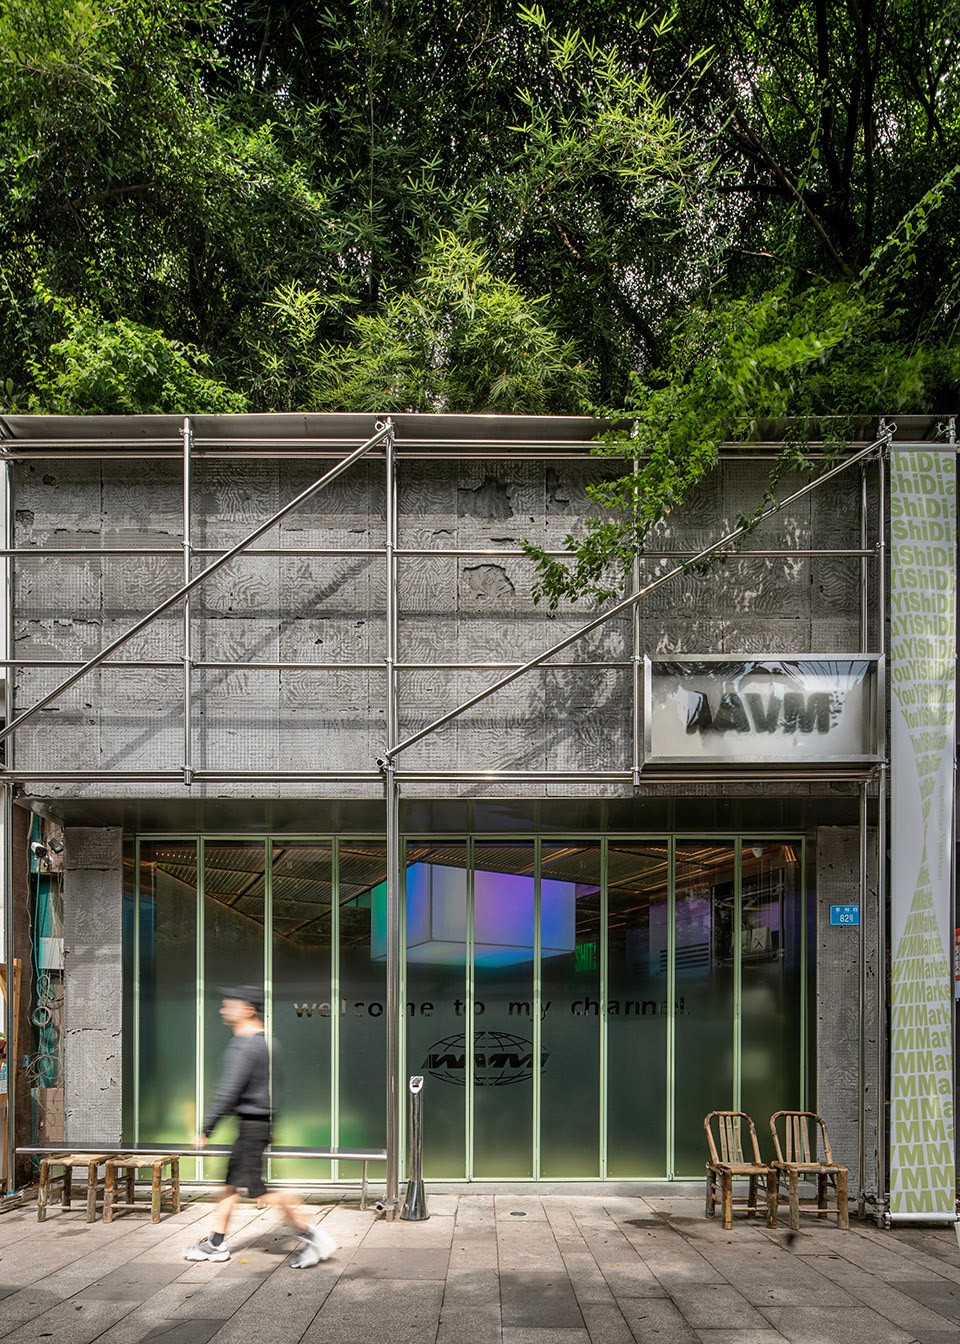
245	1168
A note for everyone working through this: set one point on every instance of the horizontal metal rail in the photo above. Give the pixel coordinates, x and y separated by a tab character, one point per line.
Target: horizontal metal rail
167	664
331	475
403	552
801	775
627	603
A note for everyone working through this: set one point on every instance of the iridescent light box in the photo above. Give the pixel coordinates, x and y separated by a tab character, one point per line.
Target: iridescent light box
503	906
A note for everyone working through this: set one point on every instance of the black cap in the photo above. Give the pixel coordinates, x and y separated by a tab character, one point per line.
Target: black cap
251	994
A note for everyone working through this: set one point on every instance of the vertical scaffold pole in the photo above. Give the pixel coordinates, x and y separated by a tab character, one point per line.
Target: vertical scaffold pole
187	433
6	837
392	819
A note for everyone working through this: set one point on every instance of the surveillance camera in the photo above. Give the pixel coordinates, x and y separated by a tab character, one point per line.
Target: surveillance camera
38	850
54	845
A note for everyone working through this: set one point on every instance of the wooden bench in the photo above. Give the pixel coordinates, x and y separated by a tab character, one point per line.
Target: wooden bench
126	1166
362	1155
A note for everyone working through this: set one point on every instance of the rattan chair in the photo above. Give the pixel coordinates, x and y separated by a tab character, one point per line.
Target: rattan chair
805	1151
727	1163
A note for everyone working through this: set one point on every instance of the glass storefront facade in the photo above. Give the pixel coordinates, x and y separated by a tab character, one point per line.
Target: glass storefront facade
576	1004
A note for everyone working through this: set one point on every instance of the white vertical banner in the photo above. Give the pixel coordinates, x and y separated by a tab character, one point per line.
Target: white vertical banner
923	646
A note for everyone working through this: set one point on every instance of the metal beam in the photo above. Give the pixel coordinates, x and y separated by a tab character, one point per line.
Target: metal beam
716	548
181	593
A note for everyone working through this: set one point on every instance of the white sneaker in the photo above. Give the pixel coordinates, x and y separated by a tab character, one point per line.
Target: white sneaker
317	1245
205	1250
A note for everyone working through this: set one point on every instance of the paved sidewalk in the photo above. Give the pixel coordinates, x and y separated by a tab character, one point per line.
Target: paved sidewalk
579	1266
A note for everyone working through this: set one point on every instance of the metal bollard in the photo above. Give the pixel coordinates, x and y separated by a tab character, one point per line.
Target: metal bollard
415	1204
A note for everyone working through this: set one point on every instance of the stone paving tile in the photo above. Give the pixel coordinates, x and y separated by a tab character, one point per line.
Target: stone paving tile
632	1280
566	1231
850	1325
468	1255
937	1294
715	1306
471	1308
739	1336
70	1323
535	1335
605	1323
133	1282
401	1263
147	1316
657	1319
361	1310
197	1331
531	1206
436	1231
539	1299
586	1279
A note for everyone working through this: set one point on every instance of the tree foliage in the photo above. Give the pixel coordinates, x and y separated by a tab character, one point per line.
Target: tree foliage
694	217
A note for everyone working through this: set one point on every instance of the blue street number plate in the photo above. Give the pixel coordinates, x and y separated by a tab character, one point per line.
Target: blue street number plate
845	914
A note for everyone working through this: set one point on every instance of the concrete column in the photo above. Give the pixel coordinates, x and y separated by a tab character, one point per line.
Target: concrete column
93	984
838	1024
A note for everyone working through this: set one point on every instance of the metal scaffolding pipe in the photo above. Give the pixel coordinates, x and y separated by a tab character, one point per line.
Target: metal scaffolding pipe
626	603
181	593
404	553
392	828
187	624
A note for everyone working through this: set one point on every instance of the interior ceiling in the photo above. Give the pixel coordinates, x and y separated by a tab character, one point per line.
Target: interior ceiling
302	875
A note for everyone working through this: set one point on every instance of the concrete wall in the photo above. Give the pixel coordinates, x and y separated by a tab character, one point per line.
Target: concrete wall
93	980
332	610
838	1000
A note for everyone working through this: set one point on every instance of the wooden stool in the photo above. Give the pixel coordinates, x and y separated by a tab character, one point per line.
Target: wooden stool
125	1166
49	1184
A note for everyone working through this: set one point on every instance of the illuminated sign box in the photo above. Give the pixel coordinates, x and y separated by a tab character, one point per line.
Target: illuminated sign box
804	710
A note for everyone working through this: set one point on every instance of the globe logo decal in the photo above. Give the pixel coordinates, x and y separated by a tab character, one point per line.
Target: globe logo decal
498	1059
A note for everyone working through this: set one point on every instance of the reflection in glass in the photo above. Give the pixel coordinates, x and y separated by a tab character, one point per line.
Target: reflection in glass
168	983
705	925
570	1010
770	1014
503	1060
363	999
233	907
436	922
302	1017
638	929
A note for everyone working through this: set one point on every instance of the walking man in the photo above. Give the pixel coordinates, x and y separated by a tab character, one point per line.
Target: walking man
244	1091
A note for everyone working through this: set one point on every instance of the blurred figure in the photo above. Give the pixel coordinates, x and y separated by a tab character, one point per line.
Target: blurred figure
244	1091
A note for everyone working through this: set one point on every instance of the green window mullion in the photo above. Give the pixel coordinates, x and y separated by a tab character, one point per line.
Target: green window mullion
136	990
737	971
671	1004
402	1026
537	1027
268	958
804	972
335	1001
470	992
201	983
604	949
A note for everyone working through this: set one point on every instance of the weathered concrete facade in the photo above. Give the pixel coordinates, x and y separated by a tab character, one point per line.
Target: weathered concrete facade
456	607
453	610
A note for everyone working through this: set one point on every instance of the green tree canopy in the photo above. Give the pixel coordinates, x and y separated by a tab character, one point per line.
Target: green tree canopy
696	216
